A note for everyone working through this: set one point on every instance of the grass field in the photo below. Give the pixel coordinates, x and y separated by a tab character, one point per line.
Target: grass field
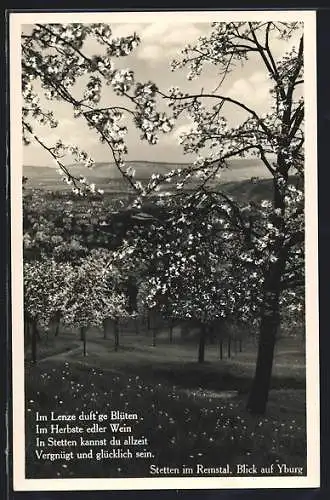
190	413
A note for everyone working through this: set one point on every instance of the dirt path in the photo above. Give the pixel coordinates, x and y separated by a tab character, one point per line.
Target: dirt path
60	356
69	355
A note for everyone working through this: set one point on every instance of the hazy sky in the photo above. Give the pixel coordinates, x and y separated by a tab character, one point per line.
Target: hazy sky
160	43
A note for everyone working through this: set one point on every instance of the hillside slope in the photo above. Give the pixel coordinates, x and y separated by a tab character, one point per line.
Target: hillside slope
108	177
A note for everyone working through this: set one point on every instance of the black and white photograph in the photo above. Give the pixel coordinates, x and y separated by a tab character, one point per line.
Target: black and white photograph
164	250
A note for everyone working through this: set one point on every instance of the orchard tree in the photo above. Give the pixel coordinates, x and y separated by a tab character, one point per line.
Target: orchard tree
93	296
47	285
274	231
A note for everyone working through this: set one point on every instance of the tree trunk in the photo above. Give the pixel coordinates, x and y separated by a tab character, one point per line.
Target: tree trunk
83	337
58	321
221	349
27	331
104	326
154	334
136	324
201	347
38	335
171	332
34	340
270	316
211	335
229	348
270	322
116	333
240	345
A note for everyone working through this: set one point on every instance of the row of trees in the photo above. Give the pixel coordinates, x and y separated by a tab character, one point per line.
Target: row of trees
79	295
270	236
203	295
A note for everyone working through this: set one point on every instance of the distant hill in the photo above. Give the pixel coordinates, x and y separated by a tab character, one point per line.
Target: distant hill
246	190
107	176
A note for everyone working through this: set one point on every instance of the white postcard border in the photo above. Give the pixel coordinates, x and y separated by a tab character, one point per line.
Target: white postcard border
16	20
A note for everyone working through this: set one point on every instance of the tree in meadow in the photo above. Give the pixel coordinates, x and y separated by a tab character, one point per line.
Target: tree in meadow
273	230
93	298
47	285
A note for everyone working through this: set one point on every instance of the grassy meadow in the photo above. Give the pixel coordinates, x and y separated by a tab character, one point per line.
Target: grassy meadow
189	412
